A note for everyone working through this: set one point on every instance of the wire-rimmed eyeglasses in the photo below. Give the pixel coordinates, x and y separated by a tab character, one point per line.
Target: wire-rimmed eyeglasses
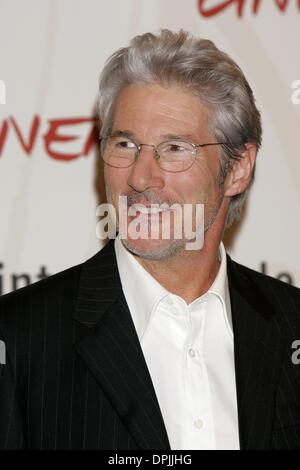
173	155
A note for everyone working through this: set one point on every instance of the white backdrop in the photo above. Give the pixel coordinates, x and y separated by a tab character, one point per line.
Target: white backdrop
51	53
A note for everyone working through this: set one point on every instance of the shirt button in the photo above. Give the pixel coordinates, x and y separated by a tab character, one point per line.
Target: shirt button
170	301
198	423
192	352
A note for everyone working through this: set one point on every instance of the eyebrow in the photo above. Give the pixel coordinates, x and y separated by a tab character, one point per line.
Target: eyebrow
131	135
124	133
189	137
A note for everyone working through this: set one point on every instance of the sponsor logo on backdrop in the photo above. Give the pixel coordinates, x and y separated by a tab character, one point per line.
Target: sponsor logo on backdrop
2	92
209	8
11	281
81	131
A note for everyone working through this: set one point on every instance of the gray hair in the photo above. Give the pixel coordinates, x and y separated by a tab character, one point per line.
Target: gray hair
171	58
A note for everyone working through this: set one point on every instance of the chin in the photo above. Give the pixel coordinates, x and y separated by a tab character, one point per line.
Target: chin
154	249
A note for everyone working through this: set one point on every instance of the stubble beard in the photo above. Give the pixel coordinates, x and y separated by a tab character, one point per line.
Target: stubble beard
169	248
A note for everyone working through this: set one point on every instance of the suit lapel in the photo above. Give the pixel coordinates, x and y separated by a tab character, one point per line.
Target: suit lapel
258	351
112	352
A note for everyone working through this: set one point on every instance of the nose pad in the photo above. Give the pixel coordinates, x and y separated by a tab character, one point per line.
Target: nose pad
151	148
144	173
156	154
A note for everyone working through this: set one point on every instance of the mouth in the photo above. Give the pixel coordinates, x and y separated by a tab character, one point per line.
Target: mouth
151	209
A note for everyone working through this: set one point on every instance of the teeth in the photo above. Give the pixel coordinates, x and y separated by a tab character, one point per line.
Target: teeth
146	210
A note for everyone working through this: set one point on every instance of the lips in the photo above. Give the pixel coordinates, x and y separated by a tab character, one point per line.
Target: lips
149	209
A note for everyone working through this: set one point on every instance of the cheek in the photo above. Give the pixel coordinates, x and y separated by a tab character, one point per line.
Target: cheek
206	181
115	180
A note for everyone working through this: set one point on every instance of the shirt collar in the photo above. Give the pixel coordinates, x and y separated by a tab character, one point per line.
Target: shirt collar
143	293
220	286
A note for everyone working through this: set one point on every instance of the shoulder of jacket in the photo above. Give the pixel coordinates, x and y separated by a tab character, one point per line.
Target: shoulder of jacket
65	282
263	279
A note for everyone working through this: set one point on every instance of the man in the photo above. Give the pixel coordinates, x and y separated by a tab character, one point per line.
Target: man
155	342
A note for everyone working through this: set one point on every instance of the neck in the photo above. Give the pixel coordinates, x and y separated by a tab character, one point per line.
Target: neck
189	274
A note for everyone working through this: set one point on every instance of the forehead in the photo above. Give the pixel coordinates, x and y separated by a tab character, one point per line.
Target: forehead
153	110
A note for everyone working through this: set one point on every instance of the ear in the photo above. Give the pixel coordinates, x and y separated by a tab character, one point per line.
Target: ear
239	177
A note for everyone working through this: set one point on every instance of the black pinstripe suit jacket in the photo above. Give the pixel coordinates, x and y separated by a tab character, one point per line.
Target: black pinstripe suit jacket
75	376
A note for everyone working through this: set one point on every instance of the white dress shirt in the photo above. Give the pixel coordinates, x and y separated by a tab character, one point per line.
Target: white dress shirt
189	352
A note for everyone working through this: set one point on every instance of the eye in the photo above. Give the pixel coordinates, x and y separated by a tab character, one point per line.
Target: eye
172	147
176	146
122	143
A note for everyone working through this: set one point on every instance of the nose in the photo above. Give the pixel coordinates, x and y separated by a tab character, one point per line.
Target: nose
145	172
